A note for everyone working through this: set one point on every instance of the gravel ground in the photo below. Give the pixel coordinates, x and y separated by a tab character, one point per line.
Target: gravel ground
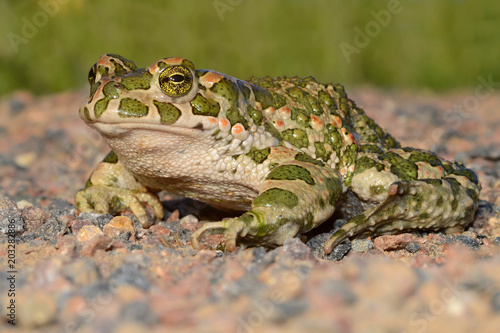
99	273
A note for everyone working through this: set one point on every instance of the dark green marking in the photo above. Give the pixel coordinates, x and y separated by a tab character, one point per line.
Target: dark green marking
404	169
256	115
378	189
303	157
168	112
455	188
94	87
244	90
111	158
274	132
291	172
130	107
129	63
276	197
227	89
422	156
325	98
370	148
110	90
86	113
296	137
301	117
234	116
334	189
263	96
365	163
321	151
140	80
468	173
205	107
100	106
259	155
434	182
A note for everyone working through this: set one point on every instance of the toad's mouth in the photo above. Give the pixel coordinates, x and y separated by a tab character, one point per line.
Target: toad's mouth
122	129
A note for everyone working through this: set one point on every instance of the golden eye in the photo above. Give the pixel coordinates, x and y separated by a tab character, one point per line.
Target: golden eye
176	81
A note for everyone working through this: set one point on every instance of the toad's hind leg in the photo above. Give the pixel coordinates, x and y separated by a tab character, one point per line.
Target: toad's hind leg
430	204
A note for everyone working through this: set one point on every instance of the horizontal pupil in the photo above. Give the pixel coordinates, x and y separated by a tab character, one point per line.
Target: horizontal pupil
177	78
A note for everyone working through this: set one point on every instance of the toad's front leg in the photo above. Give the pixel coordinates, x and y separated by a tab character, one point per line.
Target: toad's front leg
295	197
112	189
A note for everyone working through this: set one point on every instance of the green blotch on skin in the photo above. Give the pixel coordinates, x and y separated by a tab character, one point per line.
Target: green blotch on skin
110	90
88	183
247	218
334	187
310	221
138	81
303	157
129	63
321	151
439	201
117	67
325	98
291	172
404	169
423	216
228	90
263	96
276	197
455	189
274	132
421	156
365	163
100	106
256	115
86	113
296	137
205	107
468	173
117	204
472	194
314	105
434	182
234	116
278	100
111	158
94	87
376	190
369	148
130	107
300	117
333	137
168	112
259	155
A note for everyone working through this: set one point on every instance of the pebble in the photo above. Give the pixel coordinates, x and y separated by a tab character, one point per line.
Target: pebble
87	232
412	247
98	242
468	241
130	274
67	245
189	222
119	226
393	242
10	217
139	311
361	245
339	252
34	218
297	249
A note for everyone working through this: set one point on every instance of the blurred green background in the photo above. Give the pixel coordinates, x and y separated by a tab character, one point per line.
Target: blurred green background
49	45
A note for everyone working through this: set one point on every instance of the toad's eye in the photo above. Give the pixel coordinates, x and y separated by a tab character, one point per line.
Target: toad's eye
176	81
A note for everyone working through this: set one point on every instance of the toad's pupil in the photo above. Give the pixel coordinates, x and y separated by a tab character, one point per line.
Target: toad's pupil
177	78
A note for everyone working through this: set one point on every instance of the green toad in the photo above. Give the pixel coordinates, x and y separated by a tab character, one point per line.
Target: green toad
288	152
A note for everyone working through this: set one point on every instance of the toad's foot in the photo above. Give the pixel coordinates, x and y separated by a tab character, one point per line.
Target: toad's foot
106	199
428	204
